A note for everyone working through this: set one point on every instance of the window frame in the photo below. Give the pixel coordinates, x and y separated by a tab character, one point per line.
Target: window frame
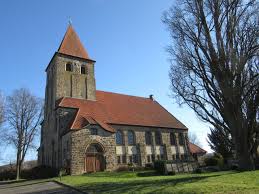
70	69
122	138
158	138
181	139
132	133
173	139
85	69
148	138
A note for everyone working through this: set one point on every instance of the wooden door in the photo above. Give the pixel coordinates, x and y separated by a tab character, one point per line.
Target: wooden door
97	164
94	163
90	163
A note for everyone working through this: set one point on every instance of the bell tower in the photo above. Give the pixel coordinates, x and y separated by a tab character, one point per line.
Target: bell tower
71	71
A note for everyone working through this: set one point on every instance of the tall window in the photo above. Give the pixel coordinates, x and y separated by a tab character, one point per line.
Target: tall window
172	139
131	138
148	137
68	67
158	138
119	138
181	139
83	69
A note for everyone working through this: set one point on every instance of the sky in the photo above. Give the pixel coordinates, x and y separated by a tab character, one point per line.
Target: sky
126	38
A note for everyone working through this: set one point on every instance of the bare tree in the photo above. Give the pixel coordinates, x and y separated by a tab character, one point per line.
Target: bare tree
23	114
215	65
193	138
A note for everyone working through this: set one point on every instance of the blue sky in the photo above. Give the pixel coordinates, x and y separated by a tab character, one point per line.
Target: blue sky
126	38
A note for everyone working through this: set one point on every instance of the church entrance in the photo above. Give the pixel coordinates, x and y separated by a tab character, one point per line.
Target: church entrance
94	159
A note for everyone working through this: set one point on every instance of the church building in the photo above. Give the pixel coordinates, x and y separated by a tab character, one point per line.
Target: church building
88	130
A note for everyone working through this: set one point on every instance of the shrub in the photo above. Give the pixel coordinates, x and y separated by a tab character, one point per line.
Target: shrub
211	161
160	166
171	172
198	170
7	174
149	166
215	160
122	169
40	172
234	167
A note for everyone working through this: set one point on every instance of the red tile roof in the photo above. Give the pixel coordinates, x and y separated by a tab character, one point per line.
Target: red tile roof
113	108
194	149
71	45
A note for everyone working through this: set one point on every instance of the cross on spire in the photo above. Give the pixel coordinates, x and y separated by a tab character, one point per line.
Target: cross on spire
69	20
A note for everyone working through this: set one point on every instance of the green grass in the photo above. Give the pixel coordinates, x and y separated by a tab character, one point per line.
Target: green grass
148	182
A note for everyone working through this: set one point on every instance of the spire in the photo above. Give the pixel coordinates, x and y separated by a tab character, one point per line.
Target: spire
71	45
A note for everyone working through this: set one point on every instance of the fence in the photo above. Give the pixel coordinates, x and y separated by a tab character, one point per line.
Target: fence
180	167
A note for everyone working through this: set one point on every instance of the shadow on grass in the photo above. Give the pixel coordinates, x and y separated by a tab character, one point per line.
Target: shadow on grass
138	186
148	174
124	174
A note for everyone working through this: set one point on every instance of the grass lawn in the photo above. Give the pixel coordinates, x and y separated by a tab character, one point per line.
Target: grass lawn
148	182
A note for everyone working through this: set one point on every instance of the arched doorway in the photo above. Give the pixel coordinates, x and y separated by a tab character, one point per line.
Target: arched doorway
94	159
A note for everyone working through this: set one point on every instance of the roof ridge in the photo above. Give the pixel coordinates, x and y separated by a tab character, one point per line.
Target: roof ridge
147	98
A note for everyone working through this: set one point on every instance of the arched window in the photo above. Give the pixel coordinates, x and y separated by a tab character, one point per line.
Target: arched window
83	69
172	139
131	138
119	138
148	137
158	138
68	67
181	139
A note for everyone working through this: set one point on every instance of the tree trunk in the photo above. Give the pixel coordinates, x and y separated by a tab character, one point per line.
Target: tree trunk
18	166
245	161
245	158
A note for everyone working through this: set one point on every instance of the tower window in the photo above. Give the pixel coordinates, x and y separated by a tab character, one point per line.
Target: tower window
83	69
68	67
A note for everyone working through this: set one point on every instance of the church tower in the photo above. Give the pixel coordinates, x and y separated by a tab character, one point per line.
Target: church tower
70	73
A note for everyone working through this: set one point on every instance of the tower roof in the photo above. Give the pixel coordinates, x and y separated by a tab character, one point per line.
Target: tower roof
71	44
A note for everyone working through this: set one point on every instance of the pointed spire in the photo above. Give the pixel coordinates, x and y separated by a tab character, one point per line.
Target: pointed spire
71	44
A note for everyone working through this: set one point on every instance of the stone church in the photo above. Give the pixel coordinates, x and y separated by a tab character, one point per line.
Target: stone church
88	130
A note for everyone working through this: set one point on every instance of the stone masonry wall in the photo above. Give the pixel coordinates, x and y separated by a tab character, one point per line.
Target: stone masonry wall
74	84
62	83
141	142
81	139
